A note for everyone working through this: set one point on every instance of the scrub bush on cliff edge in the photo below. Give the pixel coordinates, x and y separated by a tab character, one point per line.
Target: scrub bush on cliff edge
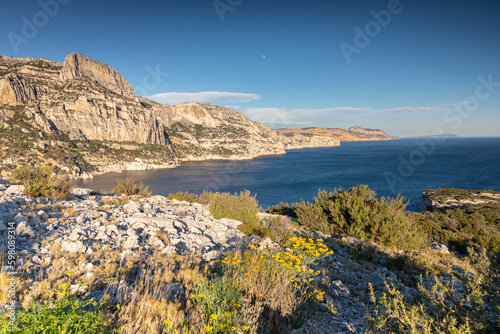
42	181
242	206
358	213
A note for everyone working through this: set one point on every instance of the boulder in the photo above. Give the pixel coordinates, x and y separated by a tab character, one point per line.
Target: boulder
441	248
73	247
24	230
84	192
15	190
132	207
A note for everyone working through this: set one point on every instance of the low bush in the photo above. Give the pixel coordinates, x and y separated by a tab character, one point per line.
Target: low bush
282	209
242	206
67	315
130	188
360	214
438	308
186	196
42	181
462	229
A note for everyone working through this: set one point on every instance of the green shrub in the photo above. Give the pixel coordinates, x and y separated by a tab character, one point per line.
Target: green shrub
129	187
436	309
360	214
186	196
281	209
463	229
42	181
242	206
218	302
67	315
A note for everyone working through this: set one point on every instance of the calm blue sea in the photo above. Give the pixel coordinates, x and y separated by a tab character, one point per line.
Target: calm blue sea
406	166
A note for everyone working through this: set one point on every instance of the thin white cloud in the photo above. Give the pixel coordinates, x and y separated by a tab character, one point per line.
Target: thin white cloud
294	116
203	97
270	116
410	110
335	109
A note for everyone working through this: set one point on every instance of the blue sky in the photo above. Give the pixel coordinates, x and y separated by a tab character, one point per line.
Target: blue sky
424	66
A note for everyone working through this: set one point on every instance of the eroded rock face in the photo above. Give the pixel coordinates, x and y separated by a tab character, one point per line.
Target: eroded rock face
83	97
210	132
77	66
443	199
14	90
301	141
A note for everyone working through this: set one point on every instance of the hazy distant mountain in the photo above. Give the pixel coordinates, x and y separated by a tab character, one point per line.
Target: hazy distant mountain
446	135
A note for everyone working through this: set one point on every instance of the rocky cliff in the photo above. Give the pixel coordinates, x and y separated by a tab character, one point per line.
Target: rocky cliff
83	116
297	141
442	199
354	133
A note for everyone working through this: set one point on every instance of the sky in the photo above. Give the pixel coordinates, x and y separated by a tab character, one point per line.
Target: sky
409	67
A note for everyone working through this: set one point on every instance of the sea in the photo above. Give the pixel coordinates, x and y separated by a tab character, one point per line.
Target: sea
406	167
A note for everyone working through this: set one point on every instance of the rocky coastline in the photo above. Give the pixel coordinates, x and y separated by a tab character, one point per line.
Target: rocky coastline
135	228
82	116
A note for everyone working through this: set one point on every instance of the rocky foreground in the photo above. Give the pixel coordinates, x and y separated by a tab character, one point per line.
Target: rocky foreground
89	222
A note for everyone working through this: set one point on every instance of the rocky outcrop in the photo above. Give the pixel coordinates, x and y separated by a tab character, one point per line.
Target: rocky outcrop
443	199
297	141
13	90
77	66
205	131
354	133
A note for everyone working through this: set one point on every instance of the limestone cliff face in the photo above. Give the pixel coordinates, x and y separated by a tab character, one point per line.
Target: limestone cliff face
443	199
354	133
77	66
83	97
14	90
211	132
297	141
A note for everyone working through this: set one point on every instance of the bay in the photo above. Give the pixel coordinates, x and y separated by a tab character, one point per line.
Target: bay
406	167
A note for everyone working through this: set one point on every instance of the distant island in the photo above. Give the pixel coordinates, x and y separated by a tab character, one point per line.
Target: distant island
84	118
